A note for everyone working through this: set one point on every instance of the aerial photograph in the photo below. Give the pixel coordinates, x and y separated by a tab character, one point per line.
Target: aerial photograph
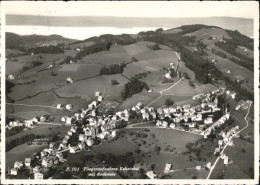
129	90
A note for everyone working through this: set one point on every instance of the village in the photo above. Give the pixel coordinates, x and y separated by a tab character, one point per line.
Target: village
90	127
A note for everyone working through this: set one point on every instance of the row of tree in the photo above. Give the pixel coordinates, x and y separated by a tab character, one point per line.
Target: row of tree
133	87
98	47
46	50
112	69
18	141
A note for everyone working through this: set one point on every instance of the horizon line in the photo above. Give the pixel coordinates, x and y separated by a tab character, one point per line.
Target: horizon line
142	17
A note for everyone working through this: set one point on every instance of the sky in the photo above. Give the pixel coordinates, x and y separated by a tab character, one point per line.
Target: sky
243	9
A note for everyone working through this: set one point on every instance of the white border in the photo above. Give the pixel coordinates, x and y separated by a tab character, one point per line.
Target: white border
134	181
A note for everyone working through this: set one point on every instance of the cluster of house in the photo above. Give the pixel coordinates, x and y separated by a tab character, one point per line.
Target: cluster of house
232	94
206	96
172	66
30	123
168	169
41	141
244	105
226	140
67	107
219	122
188	115
90	111
49	157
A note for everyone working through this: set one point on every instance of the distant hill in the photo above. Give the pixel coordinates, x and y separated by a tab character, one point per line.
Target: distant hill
15	41
243	25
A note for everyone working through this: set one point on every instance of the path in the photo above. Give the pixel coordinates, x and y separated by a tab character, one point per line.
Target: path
45	106
214	165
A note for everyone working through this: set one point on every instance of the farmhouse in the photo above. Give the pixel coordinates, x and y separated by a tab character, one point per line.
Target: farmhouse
18	164
151	175
59	106
38	176
167	168
11	77
13	172
70	80
27	162
68	106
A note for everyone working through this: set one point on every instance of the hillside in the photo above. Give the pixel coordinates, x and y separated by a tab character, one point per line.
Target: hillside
14	41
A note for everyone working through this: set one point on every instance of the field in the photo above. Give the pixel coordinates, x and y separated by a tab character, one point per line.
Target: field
247	52
27	90
118	147
78	71
240	166
144	97
165	138
42	129
13	67
86	89
85	44
115	55
237	72
12	52
205	33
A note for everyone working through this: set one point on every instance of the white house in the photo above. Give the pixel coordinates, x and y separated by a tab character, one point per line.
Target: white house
89	142
198	167
208	120
73	150
99	99
208	165
11	77
164	124
27	162
151	175
13	171
113	133
59	106
69	120
158	123
63	119
172	125
38	176
167	168
18	164
233	95
168	75
97	93
68	106
70	80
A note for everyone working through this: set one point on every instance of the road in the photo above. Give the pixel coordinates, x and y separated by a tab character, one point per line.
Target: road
214	165
157	127
161	92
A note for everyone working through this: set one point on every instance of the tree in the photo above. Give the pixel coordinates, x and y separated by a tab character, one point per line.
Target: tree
114	82
191	84
134	59
169	102
52	73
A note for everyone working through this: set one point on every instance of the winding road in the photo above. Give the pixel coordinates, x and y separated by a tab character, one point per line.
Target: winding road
161	92
214	165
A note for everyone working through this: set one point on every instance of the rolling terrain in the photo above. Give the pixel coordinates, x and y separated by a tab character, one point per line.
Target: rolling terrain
206	58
